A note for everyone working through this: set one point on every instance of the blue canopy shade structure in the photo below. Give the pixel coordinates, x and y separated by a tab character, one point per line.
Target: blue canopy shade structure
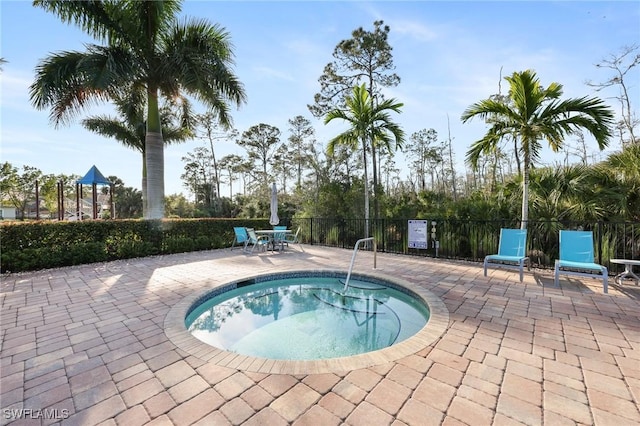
93	176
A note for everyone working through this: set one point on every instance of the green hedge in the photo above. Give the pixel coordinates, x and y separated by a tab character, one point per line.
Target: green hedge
27	246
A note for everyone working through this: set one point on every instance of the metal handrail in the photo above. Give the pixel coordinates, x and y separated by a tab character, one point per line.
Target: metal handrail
353	259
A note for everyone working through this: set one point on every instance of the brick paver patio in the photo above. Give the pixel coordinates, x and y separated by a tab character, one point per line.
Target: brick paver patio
87	345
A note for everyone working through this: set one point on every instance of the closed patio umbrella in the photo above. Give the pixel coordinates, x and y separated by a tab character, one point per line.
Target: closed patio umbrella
274	220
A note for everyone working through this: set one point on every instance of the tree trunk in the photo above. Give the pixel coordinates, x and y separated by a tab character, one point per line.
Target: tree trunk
155	175
517	156
373	152
145	206
154	159
525	192
453	168
366	187
216	174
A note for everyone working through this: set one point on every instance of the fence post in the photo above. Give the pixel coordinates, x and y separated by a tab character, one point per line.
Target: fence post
37	200
600	242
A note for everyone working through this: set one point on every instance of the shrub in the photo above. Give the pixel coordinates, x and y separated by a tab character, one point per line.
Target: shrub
26	246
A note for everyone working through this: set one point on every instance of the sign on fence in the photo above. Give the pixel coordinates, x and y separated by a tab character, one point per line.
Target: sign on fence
417	234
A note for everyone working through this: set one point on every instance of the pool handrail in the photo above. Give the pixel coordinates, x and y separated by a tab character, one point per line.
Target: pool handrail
353	259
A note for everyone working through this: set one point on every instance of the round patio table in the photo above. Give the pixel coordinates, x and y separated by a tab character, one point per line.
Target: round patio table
628	270
270	233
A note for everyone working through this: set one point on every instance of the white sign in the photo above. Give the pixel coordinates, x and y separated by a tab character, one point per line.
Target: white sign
418	234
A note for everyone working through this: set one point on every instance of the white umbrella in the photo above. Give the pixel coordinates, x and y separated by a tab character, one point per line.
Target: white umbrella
274	220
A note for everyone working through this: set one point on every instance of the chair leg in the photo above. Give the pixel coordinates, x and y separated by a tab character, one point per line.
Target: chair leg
557	273
521	270
605	279
485	266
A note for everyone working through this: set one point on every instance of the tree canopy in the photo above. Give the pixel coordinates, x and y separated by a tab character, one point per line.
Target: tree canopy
146	48
533	114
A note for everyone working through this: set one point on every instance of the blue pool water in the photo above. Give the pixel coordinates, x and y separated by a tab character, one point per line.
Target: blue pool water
306	318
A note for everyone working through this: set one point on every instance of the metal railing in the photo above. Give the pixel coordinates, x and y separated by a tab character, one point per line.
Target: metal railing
353	259
472	240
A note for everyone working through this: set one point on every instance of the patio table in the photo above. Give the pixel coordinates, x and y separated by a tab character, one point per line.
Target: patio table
270	233
628	270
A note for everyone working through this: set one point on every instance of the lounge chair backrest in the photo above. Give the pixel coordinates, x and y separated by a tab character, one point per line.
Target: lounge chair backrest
252	235
513	242
279	236
292	238
576	246
241	234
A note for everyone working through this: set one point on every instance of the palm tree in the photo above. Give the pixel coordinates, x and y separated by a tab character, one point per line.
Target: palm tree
147	49
130	128
369	124
563	193
532	113
619	181
627	161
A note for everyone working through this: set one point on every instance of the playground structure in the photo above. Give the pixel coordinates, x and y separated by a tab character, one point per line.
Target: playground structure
82	208
92	178
85	208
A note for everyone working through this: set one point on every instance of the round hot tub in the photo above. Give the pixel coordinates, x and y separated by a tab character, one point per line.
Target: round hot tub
308	320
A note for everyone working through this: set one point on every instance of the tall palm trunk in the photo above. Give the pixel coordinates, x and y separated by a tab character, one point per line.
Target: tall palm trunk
216	175
154	159
366	186
145	206
373	155
525	190
451	165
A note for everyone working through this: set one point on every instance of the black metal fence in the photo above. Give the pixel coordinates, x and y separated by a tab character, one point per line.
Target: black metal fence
473	240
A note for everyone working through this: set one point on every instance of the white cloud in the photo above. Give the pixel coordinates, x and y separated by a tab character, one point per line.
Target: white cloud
416	30
263	71
15	89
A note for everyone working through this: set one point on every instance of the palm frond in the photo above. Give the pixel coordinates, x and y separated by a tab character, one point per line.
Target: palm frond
200	54
92	16
112	127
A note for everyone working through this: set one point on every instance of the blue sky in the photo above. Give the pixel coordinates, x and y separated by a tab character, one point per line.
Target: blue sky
448	55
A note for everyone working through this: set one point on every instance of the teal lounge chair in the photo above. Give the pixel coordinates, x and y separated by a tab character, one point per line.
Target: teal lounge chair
241	237
576	257
261	241
292	238
279	237
512	251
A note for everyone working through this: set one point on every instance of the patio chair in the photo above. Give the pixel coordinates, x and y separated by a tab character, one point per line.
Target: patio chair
261	241
278	237
576	257
241	237
292	238
512	252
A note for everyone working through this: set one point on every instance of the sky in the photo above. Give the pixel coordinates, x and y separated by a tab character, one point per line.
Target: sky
448	55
